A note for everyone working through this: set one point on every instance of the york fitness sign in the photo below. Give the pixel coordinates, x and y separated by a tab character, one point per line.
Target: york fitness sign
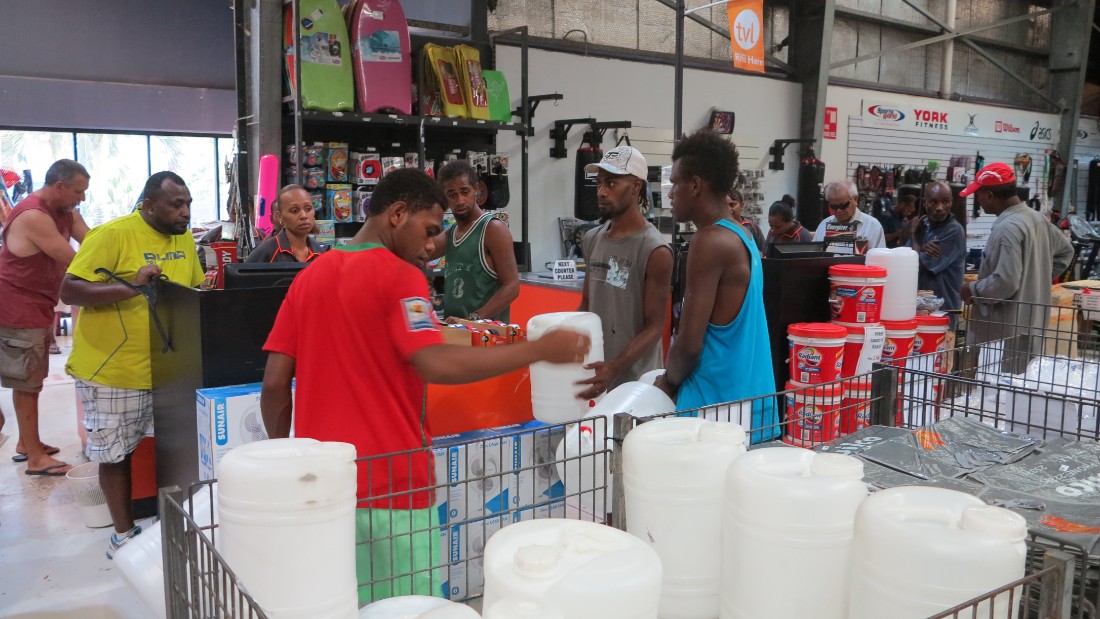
904	117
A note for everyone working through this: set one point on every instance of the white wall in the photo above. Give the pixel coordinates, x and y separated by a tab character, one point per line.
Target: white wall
610	90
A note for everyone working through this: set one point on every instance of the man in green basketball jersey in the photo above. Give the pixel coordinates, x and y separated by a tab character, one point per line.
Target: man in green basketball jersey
481	275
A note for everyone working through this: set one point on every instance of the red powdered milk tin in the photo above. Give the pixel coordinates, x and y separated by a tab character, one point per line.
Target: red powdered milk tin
931	337
855	293
862	341
817	351
899	341
855	406
812	414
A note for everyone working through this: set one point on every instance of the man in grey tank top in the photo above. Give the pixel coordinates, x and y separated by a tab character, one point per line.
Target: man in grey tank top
628	274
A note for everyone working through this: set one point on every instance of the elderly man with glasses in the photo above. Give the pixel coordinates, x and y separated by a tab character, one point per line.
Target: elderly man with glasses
848	229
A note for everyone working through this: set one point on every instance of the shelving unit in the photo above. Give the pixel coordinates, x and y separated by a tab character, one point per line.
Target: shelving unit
430	137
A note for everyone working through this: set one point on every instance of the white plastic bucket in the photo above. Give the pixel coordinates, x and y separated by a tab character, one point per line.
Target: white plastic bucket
674	474
286	513
899	295
576	568
83	482
788	518
582	472
416	607
919	551
509	608
554	386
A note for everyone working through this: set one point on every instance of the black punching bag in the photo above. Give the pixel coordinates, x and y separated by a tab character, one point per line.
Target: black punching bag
811	205
958	203
585	205
1092	204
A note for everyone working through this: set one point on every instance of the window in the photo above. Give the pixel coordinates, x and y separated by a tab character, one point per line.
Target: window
120	163
33	151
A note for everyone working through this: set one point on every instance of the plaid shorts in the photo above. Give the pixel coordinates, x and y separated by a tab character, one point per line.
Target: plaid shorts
116	419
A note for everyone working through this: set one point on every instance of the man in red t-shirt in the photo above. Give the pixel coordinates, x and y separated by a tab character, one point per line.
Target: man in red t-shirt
364	382
33	259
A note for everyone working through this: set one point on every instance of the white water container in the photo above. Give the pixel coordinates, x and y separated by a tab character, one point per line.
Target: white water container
674	472
919	551
899	295
286	509
650	377
553	385
417	607
141	562
509	608
572	567
787	530
582	473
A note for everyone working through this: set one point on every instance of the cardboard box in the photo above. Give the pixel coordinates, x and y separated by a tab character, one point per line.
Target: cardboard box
226	417
462	555
537	479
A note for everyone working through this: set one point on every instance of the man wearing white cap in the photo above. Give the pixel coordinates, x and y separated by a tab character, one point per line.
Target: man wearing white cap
1023	254
629	273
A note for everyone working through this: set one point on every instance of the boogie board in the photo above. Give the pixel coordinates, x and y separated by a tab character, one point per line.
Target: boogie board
382	56
327	82
500	105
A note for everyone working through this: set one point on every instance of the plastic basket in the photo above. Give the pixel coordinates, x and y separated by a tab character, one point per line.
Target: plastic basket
83	482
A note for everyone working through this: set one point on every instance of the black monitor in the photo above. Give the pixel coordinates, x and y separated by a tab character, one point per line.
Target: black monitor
261	275
798	250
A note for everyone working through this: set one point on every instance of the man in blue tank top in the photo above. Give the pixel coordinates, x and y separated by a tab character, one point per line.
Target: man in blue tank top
721	352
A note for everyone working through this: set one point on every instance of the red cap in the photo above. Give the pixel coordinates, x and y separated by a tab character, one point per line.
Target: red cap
989	176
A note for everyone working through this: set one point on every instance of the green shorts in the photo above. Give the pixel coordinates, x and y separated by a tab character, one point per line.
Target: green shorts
397	553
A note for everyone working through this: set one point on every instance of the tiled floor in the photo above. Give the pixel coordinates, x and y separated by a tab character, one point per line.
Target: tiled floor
51	565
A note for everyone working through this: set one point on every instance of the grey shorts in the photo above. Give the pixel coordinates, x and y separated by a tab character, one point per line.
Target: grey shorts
116	419
24	358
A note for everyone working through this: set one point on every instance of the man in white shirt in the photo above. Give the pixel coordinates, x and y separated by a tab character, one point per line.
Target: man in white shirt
848	229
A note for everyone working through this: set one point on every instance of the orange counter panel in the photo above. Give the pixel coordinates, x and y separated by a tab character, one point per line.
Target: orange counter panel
505	399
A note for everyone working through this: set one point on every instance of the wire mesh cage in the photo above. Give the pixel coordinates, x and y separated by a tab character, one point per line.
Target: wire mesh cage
198	584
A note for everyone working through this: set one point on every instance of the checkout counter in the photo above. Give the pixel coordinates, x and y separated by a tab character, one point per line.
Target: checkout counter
217	338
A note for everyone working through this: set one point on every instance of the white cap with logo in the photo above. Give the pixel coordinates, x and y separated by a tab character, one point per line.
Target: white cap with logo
622	160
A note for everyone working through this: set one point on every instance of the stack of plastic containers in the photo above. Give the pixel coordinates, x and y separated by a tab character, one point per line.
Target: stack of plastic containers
813	400
674	473
788	520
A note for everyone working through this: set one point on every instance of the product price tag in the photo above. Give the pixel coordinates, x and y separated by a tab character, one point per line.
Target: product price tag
1088	299
874	338
565	270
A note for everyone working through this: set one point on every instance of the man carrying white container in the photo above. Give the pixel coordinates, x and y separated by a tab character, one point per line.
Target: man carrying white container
366	385
629	273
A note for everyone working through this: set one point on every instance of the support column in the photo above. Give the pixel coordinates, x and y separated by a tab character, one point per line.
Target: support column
264	90
1070	31
811	37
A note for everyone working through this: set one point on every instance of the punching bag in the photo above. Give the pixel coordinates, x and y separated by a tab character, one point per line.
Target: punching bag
585	205
958	203
811	204
1092	204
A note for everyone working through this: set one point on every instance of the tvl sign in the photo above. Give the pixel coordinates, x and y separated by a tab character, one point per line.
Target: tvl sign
746	19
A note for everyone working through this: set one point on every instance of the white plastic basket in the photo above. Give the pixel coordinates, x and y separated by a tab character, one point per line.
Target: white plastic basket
83	482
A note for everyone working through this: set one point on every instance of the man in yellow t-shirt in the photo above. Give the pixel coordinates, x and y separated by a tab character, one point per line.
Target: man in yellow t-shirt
110	359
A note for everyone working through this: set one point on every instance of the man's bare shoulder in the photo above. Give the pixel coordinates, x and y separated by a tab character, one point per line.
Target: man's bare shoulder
716	241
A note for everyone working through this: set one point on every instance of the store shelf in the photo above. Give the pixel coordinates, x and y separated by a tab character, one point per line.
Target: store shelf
430	122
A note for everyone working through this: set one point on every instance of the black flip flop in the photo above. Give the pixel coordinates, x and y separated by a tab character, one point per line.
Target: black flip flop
49	471
50	451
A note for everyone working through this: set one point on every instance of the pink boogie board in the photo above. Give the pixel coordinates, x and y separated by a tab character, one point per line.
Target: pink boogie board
382	57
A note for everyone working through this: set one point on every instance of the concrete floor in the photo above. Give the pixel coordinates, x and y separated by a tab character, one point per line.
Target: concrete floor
51	565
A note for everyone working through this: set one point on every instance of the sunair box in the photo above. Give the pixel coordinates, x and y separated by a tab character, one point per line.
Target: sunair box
449	457
226	417
537	480
462	550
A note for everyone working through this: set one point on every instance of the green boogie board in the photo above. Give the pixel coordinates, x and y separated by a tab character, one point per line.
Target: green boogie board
500	105
327	82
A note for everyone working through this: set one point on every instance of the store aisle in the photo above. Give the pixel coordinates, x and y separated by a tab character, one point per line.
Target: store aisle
51	565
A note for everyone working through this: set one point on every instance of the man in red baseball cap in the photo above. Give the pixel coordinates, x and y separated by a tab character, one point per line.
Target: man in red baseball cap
1023	254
